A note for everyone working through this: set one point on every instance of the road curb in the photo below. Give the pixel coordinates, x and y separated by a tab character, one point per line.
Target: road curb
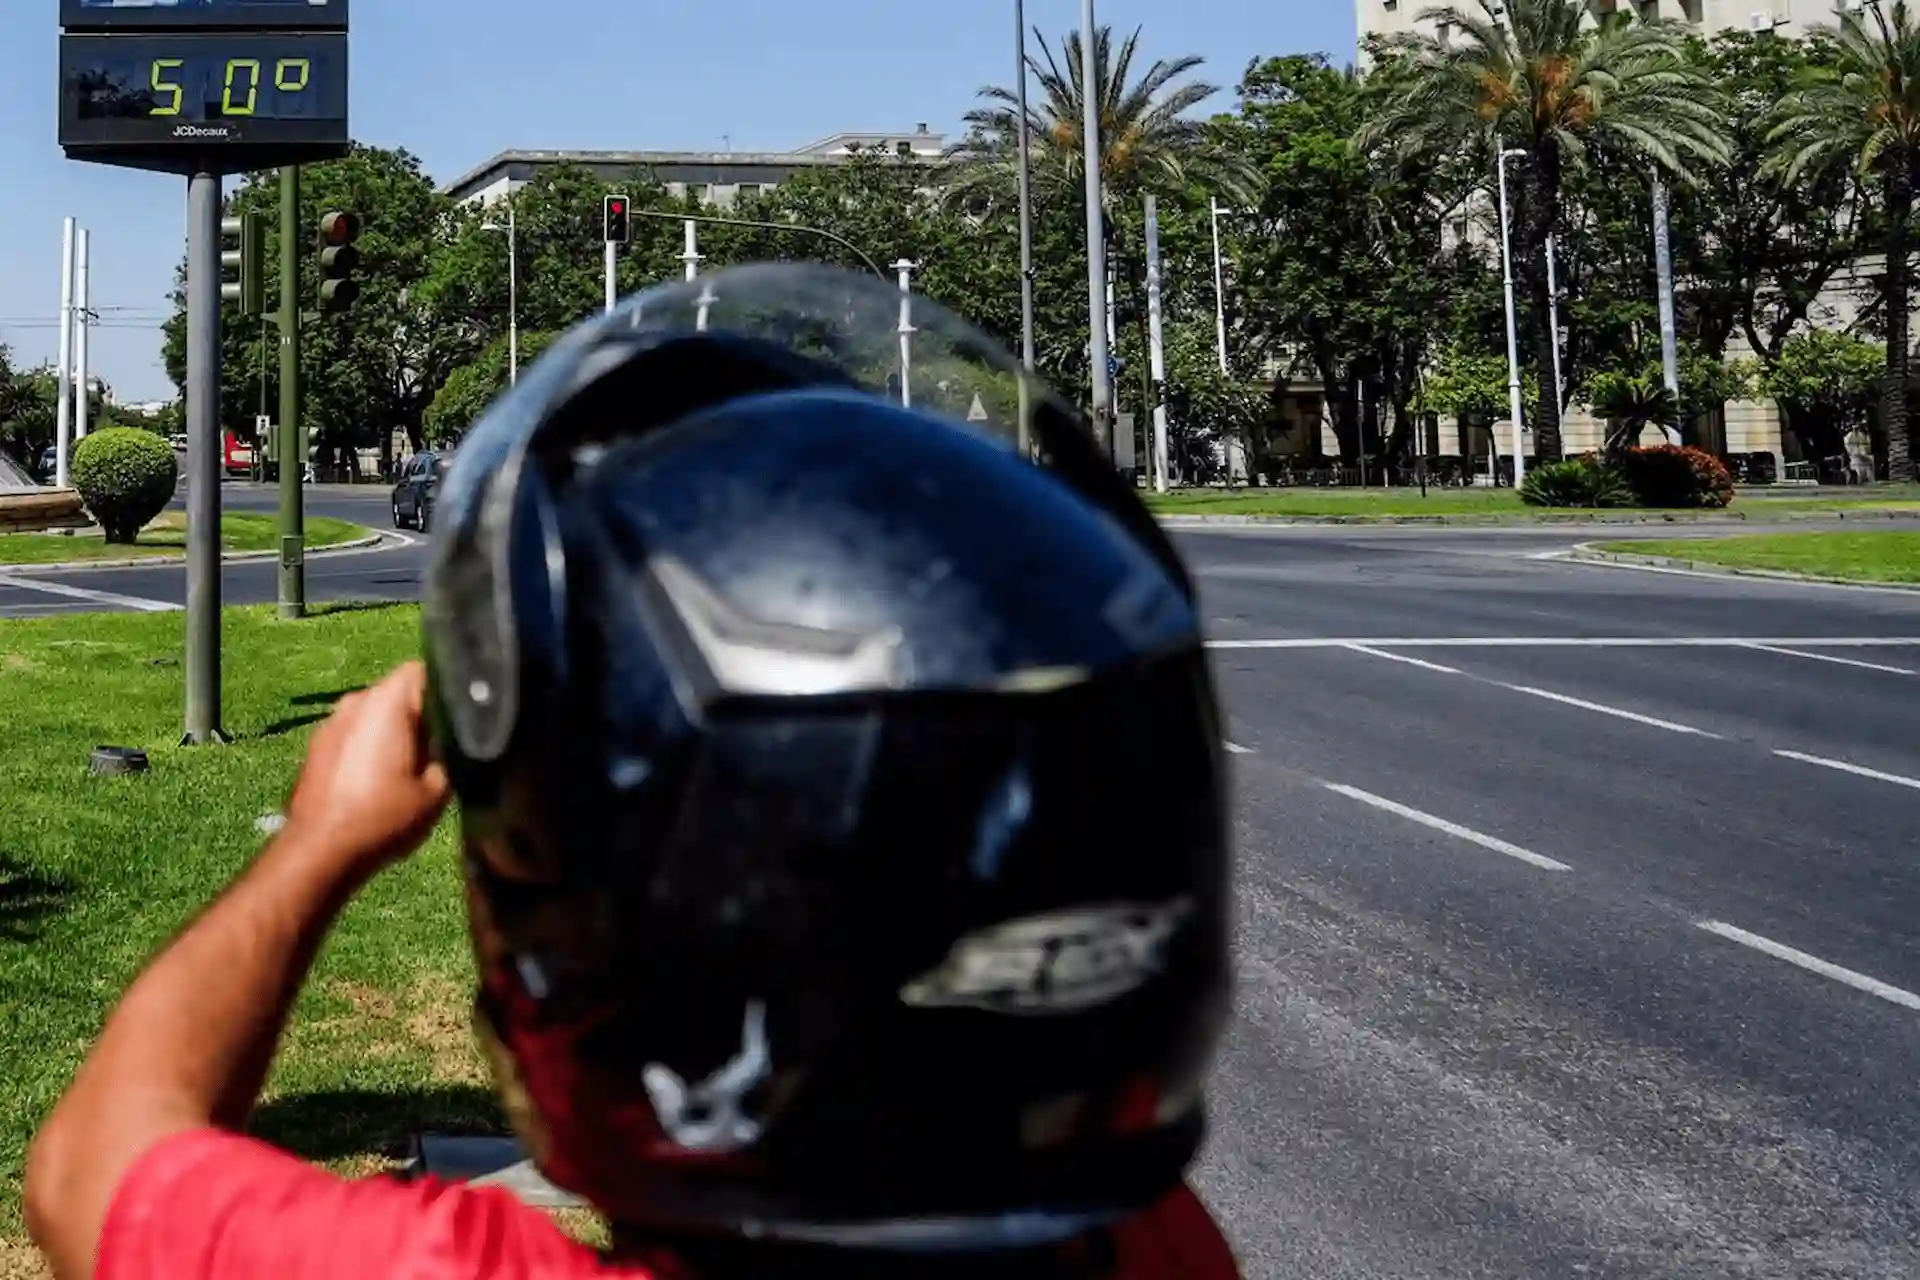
230	557
1746	516
1586	553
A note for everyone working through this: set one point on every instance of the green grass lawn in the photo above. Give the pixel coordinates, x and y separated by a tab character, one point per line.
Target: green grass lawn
1369	503
1869	557
167	536
95	874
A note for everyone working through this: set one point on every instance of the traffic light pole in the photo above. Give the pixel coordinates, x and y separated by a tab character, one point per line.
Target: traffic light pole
613	267
293	454
203	461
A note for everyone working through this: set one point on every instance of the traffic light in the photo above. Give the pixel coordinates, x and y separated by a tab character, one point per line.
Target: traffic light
617	219
338	258
243	251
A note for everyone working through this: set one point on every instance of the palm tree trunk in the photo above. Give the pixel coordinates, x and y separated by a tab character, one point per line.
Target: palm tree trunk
1893	387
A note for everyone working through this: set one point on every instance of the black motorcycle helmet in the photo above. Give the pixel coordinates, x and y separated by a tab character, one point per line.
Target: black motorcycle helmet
841	789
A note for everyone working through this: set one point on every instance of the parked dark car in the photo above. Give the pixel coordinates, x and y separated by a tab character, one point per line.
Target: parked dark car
420	475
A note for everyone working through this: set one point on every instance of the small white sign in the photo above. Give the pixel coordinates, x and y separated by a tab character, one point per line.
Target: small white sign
978	413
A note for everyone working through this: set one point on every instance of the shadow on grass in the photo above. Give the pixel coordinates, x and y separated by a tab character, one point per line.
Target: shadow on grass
325	607
27	898
337	1123
324	700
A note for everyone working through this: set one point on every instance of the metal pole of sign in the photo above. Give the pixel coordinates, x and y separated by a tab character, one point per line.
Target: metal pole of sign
63	429
293	448
612	267
691	257
1219	292
203	460
1155	352
905	268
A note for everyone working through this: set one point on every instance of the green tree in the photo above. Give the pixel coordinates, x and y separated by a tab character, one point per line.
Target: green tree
1541	77
29	401
1825	382
469	389
1755	249
371	370
1148	140
1863	113
1343	269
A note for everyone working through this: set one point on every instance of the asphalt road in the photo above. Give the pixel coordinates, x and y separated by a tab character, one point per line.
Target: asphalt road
1577	904
1514	999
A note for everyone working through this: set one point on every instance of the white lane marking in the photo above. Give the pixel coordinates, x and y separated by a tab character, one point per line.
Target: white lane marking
1454	829
1401	657
1234	748
1570	642
1605	710
82	593
1827	657
1859	770
1813	964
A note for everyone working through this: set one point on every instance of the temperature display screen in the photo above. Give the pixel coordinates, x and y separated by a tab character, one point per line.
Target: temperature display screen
127	15
202	89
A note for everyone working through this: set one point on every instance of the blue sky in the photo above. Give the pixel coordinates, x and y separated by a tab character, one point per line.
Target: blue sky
455	81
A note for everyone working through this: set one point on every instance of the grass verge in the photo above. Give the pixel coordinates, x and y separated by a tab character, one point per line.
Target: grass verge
1864	557
167	536
1503	503
95	874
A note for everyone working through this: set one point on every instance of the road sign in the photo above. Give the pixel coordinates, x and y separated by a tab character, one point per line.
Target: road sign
978	411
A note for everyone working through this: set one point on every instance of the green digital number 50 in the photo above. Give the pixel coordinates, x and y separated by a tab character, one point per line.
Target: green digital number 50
169	87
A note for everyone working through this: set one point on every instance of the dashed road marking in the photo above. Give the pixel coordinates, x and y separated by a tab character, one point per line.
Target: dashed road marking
1813	964
1858	770
1454	829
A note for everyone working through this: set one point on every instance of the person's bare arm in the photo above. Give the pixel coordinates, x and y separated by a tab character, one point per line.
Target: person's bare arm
191	1041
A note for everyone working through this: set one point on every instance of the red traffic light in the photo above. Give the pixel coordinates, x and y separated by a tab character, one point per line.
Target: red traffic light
339	229
618	206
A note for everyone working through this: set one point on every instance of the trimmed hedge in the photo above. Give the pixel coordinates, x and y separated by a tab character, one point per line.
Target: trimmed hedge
126	477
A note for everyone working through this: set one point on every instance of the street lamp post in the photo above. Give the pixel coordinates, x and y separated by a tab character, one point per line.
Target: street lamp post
513	292
1096	231
1219	291
1553	324
1026	225
905	267
1026	193
1513	326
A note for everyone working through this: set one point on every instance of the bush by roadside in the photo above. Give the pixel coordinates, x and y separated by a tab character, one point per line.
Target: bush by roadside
126	477
1663	476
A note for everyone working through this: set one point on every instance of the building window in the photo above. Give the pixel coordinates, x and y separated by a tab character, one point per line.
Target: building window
698	192
903	148
750	188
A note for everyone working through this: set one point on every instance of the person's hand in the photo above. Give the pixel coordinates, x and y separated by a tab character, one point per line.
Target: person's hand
370	790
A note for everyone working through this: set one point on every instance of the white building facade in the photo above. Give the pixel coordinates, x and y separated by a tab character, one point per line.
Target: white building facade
715	178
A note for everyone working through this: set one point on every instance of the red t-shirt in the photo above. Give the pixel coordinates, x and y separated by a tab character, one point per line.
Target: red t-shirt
216	1206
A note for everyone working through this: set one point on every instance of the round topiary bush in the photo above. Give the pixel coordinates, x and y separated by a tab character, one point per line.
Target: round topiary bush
126	477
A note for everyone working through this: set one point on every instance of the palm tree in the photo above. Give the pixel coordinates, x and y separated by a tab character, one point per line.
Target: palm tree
1548	81
1147	140
1865	112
